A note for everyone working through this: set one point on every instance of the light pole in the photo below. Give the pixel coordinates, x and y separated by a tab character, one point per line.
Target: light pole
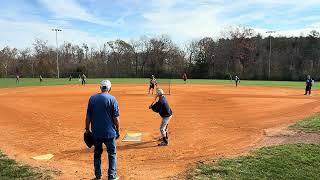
212	61
57	61
269	66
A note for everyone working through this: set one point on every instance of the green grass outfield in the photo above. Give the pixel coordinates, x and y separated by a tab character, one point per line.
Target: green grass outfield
11	82
294	161
310	124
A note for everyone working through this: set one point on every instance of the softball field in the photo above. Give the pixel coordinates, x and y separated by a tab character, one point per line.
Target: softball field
209	121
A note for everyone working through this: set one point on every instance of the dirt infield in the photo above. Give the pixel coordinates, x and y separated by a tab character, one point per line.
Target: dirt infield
209	121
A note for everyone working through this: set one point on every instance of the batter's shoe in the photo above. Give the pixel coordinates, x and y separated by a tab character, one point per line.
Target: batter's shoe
161	139
163	144
116	178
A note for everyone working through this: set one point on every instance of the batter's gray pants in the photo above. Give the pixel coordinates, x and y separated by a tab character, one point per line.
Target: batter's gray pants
164	126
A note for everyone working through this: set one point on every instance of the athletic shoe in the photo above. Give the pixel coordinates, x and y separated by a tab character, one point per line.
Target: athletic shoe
163	144
117	178
161	139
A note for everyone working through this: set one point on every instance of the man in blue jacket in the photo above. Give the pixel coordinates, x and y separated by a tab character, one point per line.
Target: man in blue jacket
103	116
309	83
162	107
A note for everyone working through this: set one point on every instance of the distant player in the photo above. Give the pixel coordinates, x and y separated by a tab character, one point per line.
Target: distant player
184	77
70	78
17	79
237	80
40	78
309	83
153	83
83	79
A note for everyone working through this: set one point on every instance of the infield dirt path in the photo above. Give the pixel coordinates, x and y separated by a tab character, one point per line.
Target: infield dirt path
209	121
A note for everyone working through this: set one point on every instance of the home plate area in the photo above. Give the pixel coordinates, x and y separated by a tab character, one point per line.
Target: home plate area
132	137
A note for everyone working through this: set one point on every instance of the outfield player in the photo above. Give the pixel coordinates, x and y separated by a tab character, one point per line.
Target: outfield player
184	77
17	79
309	83
153	83
83	79
40	78
237	80
162	107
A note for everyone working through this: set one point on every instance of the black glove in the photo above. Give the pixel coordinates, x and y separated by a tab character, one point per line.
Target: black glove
88	139
156	107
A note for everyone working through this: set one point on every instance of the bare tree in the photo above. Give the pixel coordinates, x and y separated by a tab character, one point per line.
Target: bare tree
8	56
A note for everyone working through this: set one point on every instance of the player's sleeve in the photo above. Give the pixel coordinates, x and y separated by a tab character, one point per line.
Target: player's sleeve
116	111
90	108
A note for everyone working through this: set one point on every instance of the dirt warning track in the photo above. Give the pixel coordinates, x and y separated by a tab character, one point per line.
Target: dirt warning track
208	121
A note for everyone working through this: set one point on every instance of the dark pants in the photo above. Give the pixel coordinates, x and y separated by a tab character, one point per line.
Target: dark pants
111	149
237	82
83	82
308	90
151	87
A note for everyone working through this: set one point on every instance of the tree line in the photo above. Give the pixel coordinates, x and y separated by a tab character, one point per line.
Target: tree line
241	51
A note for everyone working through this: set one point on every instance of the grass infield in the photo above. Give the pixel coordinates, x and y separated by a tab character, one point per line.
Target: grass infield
10	169
11	82
294	161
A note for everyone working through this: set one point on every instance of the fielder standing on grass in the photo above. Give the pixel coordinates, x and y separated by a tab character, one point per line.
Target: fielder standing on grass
162	107
185	77
237	80
103	115
309	83
83	79
17	79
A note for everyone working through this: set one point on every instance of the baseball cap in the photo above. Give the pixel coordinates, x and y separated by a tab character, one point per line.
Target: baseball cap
106	84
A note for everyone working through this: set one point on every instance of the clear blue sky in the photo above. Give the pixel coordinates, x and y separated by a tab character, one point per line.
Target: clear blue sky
97	21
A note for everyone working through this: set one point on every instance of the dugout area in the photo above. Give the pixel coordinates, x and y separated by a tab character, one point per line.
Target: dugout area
209	121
